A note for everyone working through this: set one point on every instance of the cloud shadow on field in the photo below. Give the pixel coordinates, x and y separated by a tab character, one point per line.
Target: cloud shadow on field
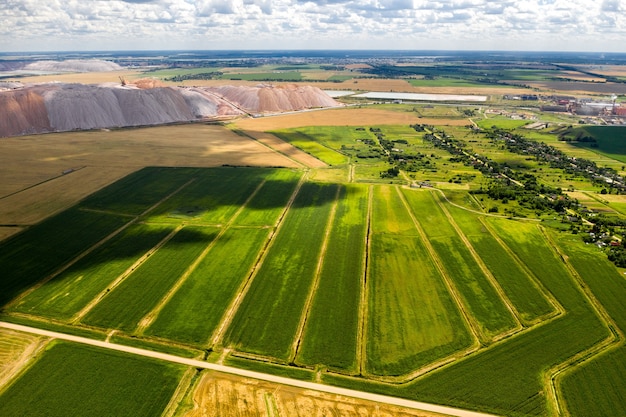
57	246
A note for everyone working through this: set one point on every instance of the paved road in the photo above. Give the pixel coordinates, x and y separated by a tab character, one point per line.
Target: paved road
250	374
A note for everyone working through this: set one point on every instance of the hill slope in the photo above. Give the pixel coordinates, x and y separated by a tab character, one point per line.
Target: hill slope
63	107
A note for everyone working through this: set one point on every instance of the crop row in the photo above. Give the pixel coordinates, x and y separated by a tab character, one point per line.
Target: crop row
412	318
478	294
72	380
38	252
125	305
67	293
529	301
331	332
268	318
596	387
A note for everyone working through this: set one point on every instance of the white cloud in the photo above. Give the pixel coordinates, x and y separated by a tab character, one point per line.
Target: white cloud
275	24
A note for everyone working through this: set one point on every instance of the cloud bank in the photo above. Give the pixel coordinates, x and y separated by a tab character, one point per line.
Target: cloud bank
578	25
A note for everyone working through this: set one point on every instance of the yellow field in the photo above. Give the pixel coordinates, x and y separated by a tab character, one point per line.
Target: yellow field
83	77
15	351
227	395
34	187
349	116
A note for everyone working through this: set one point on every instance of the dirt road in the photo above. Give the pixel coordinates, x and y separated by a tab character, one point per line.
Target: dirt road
250	374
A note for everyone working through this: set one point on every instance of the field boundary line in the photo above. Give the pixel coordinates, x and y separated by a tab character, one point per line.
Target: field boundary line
149	318
79	315
69	264
25	361
245	133
499	216
613	340
42	182
295	346
401	402
559	310
361	351
473	325
485	271
474	347
185	383
112	213
229	314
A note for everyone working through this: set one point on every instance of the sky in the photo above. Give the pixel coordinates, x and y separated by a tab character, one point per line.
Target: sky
515	25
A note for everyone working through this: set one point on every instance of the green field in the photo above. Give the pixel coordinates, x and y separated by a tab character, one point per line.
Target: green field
610	140
72	380
331	332
125	305
367	285
67	293
267	321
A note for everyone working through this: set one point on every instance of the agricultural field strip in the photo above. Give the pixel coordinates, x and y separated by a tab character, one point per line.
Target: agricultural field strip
559	310
251	136
79	315
361	350
68	265
149	318
511	276
111	212
98	244
485	271
316	279
185	384
267	320
476	346
251	374
474	326
218	336
614	339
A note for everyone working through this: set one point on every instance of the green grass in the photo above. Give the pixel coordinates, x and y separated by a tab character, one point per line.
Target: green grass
449	82
73	380
524	294
501	123
194	312
477	292
213	196
330	335
39	251
270	368
412	319
264	76
594	388
388	214
70	291
267	205
610	141
140	190
309	144
507	379
124	306
268	318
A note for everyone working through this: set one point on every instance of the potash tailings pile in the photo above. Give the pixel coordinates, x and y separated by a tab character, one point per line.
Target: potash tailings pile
56	107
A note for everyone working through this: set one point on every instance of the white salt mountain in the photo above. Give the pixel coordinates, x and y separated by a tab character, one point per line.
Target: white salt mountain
56	107
73	65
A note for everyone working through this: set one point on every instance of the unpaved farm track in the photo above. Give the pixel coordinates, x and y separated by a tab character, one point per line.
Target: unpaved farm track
415	405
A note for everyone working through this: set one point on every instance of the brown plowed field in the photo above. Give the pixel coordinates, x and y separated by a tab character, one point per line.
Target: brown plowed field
351	116
33	185
226	395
